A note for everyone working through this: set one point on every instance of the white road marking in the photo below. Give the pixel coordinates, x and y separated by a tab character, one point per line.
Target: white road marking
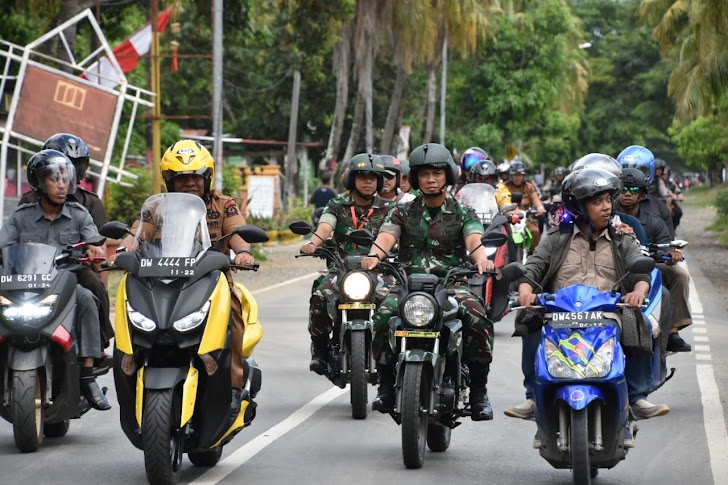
701	348
250	449
700	338
713	417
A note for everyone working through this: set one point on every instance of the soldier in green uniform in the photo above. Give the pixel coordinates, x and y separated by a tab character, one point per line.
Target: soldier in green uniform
360	208
434	231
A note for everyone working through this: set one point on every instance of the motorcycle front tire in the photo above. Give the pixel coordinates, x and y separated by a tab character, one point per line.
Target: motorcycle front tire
160	445
358	375
26	410
415	402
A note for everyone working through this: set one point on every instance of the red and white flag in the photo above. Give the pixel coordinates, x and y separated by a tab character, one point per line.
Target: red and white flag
127	54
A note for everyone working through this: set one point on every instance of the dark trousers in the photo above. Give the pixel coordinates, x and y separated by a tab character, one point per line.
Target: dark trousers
89	279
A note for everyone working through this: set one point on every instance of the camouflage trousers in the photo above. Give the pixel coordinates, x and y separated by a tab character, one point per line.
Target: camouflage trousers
319	320
477	332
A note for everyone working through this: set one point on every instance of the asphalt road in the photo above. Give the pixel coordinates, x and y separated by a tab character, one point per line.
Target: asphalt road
304	433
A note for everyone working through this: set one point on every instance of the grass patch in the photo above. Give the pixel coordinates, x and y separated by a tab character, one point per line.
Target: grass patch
701	196
113	285
720	226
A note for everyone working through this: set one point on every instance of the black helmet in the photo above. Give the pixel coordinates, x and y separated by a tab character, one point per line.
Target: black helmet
432	155
585	184
74	148
560	171
660	163
364	163
484	168
634	177
599	160
392	167
50	162
518	168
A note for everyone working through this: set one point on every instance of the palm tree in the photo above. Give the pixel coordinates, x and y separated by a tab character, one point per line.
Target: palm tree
693	33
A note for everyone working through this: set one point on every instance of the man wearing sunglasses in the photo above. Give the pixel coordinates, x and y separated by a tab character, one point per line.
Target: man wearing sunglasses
675	278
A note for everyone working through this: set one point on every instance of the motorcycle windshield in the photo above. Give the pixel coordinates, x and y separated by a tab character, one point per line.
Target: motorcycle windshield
481	198
28	258
173	225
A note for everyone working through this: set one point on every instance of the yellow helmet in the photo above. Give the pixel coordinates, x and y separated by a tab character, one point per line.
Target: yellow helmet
187	157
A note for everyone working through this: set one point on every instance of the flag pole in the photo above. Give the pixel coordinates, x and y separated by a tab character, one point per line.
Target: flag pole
157	109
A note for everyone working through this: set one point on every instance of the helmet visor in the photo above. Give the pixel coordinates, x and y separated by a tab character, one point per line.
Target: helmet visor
470	159
57	177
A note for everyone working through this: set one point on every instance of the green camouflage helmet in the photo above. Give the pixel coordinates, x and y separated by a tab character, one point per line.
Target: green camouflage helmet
432	155
362	163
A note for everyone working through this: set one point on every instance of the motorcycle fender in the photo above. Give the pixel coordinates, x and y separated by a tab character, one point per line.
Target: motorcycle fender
578	397
419	355
253	329
217	320
189	395
164	377
357	325
21	360
455	342
122	336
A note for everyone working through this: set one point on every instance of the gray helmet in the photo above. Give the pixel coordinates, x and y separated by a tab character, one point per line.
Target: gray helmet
393	167
599	160
584	184
364	163
432	155
484	168
404	167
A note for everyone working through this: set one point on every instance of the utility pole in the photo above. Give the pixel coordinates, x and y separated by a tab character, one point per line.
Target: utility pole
217	6
292	162
157	109
443	90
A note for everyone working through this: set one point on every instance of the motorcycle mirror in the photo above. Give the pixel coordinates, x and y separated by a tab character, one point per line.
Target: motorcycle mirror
115	230
516	197
678	243
362	237
300	227
494	239
251	234
96	241
513	271
641	265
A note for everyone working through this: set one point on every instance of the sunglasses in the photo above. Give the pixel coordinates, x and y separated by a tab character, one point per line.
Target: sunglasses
388	176
631	190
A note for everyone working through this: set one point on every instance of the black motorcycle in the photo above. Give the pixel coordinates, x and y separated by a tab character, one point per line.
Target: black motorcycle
427	337
39	366
356	298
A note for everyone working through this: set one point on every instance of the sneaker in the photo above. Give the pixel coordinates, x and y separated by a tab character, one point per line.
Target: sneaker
628	438
525	410
643	409
675	343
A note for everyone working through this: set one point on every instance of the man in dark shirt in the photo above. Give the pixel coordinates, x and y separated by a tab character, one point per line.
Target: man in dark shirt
77	151
323	194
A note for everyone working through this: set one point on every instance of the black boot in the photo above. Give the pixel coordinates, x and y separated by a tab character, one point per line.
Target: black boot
384	402
91	391
319	354
235	402
480	407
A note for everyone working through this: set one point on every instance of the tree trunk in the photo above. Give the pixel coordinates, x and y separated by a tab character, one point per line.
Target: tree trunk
342	63
431	103
391	125
355	133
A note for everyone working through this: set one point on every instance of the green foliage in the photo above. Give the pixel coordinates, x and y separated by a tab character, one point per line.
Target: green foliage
721	202
296	212
231	181
703	143
124	203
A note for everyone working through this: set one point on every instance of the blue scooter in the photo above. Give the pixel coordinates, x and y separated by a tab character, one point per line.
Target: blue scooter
580	388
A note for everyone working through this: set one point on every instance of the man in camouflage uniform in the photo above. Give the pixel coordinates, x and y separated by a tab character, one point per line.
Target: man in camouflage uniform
361	208
434	231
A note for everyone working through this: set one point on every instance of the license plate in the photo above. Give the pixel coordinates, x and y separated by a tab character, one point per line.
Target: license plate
25	281
416	334
357	306
166	267
578	319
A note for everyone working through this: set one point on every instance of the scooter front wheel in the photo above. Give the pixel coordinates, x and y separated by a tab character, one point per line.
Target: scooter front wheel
579	447
162	446
27	410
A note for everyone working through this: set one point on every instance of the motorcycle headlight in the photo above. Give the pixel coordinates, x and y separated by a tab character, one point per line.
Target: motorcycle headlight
192	320
357	286
138	320
419	310
27	311
574	366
